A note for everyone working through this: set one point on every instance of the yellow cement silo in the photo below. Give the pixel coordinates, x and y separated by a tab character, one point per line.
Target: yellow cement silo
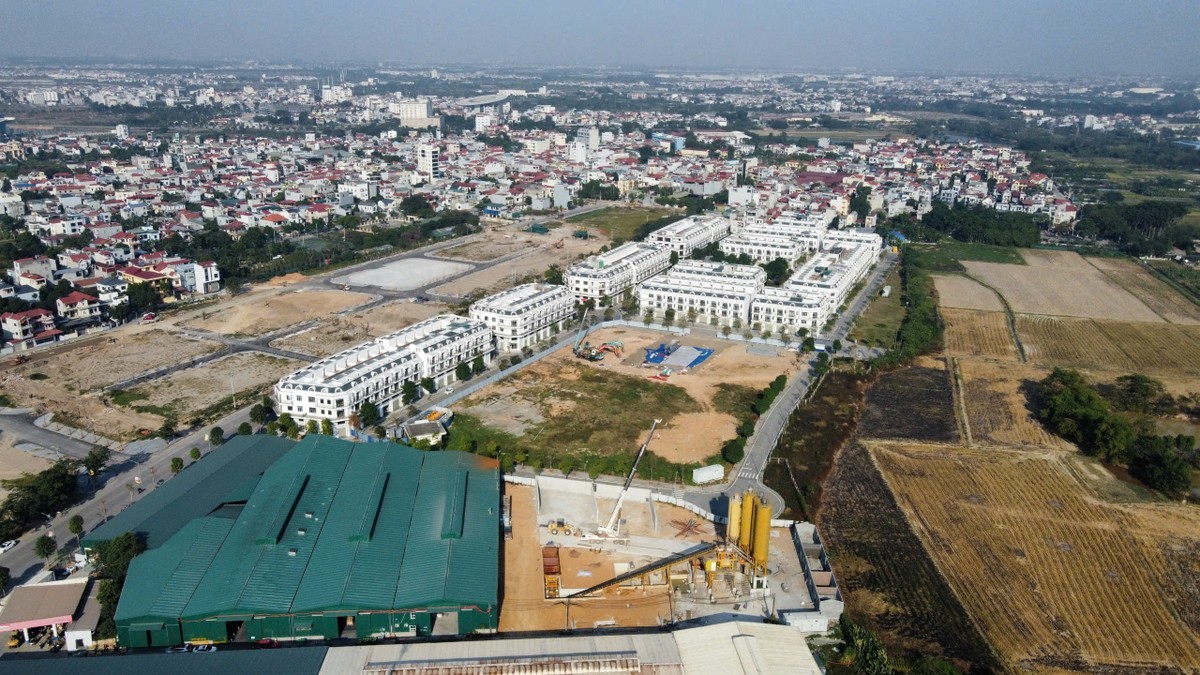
733	527
762	533
746	533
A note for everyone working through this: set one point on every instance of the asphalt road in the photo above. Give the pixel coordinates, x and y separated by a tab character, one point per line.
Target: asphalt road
748	475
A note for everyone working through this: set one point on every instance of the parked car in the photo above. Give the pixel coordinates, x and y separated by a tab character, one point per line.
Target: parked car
266	643
204	649
7	545
181	649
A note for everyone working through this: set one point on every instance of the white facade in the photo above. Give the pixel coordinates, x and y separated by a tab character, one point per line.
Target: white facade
609	274
781	310
429	161
831	274
763	248
691	233
335	387
521	316
710	290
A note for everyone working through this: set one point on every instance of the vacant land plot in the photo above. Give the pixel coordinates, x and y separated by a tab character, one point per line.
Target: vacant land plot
541	251
405	274
617	222
1155	348
972	332
275	311
997	401
488	247
1061	284
564	403
1157	295
14	462
1072	343
1049	574
70	382
879	324
958	291
186	394
886	575
914	402
335	333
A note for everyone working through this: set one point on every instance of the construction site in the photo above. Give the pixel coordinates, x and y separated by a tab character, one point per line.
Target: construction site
585	555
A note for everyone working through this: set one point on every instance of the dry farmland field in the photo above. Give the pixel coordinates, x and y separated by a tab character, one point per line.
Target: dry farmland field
1157	295
1055	579
914	403
996	398
1155	348
1061	284
972	332
1071	343
960	292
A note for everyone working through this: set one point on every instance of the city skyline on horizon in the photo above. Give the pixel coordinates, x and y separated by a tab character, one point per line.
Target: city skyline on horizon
1068	38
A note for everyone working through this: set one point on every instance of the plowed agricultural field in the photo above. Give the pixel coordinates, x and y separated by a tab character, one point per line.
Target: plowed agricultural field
1158	296
997	403
1053	577
1061	284
1073	343
955	290
1155	347
972	332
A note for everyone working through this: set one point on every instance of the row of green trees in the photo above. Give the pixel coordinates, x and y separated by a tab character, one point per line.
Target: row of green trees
1073	409
975	224
1148	228
921	330
734	450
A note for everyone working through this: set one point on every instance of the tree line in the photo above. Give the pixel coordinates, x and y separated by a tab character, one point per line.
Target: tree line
1080	413
975	224
1148	228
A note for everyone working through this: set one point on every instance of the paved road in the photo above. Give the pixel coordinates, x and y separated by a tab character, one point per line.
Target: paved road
748	475
18	426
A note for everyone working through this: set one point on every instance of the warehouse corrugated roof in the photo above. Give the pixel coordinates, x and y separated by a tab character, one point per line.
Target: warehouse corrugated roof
220	476
169	575
339	525
301	661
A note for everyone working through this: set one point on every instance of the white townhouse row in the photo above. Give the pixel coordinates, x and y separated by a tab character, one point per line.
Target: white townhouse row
524	315
611	273
335	387
784	312
763	247
710	290
791	239
832	273
691	233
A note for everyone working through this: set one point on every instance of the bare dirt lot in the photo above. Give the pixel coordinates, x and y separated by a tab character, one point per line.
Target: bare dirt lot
14	462
490	246
522	403
1061	284
540	254
75	375
1071	568
957	291
186	392
336	333
273	311
1157	295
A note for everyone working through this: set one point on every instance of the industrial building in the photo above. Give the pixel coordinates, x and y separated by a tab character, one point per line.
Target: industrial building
691	233
335	387
521	316
334	539
609	274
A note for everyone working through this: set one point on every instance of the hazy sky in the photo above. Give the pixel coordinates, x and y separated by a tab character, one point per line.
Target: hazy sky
1059	36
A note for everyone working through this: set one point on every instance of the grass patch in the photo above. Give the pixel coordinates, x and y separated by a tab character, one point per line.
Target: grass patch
736	400
6	402
945	256
125	397
1185	279
618	222
595	420
38	376
880	323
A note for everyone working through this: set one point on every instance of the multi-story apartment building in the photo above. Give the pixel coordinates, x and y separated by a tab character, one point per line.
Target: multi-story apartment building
691	233
784	311
706	289
429	161
23	330
521	316
610	274
335	387
830	274
763	248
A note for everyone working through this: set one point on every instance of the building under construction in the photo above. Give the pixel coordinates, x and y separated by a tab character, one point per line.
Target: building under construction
335	539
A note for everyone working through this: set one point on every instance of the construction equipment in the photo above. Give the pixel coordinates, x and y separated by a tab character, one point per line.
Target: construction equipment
560	525
585	350
551	571
692	526
612	529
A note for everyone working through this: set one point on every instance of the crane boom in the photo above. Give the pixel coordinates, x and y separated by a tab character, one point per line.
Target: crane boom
611	529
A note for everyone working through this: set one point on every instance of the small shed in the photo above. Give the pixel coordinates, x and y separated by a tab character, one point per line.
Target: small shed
53	604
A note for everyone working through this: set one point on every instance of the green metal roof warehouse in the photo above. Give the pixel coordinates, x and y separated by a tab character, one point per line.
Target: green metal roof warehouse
380	536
